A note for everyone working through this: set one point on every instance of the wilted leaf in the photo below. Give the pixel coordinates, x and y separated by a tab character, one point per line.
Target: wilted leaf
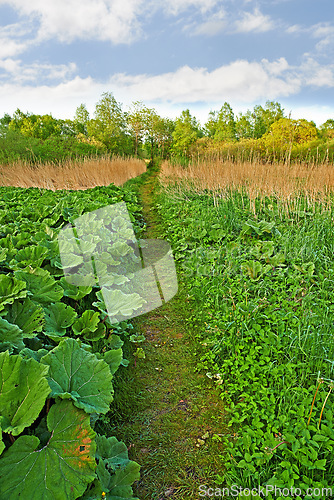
79	375
24	389
61	469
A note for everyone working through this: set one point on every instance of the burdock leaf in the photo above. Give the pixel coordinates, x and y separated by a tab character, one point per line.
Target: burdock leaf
24	389
72	291
58	317
2	444
121	303
60	470
79	375
41	287
113	358
113	451
99	333
28	316
33	255
87	323
116	473
11	289
10	336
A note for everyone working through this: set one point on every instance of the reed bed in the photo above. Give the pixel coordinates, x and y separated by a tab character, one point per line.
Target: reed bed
71	174
255	180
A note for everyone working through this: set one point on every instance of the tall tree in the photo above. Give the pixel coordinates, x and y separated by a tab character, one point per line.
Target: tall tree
244	126
109	124
81	119
327	129
136	119
221	125
187	131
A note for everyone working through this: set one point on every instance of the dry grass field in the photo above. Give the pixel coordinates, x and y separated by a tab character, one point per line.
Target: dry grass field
254	180
72	174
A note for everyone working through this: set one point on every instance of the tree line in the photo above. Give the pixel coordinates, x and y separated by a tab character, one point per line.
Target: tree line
142	132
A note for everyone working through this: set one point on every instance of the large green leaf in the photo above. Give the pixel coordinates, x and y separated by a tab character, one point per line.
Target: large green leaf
89	326
114	359
24	389
87	323
2	444
78	374
118	304
10	336
10	289
72	291
58	317
29	256
60	470
116	473
42	287
28	316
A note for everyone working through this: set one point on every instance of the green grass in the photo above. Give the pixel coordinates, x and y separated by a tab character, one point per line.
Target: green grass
261	288
236	356
164	405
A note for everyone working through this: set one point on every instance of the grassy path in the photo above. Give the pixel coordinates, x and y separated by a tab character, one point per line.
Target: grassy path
170	411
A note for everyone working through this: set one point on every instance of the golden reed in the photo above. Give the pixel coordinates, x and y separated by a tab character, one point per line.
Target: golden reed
255	179
72	174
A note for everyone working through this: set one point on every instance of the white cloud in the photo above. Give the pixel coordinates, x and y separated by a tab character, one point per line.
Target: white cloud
66	20
255	21
242	83
12	40
31	73
175	7
61	100
213	25
317	75
118	21
240	80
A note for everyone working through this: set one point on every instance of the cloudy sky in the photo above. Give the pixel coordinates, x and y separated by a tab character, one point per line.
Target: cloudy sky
172	55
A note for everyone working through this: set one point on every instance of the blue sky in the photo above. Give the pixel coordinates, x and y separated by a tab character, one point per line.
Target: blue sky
196	54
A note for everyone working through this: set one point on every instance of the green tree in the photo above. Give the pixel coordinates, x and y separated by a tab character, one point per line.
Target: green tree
81	119
225	130
186	132
136	119
244	126
109	125
40	126
327	129
286	133
210	126
164	135
221	125
151	121
254	124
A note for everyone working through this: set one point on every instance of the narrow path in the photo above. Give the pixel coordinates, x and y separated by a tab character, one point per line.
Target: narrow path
170	411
